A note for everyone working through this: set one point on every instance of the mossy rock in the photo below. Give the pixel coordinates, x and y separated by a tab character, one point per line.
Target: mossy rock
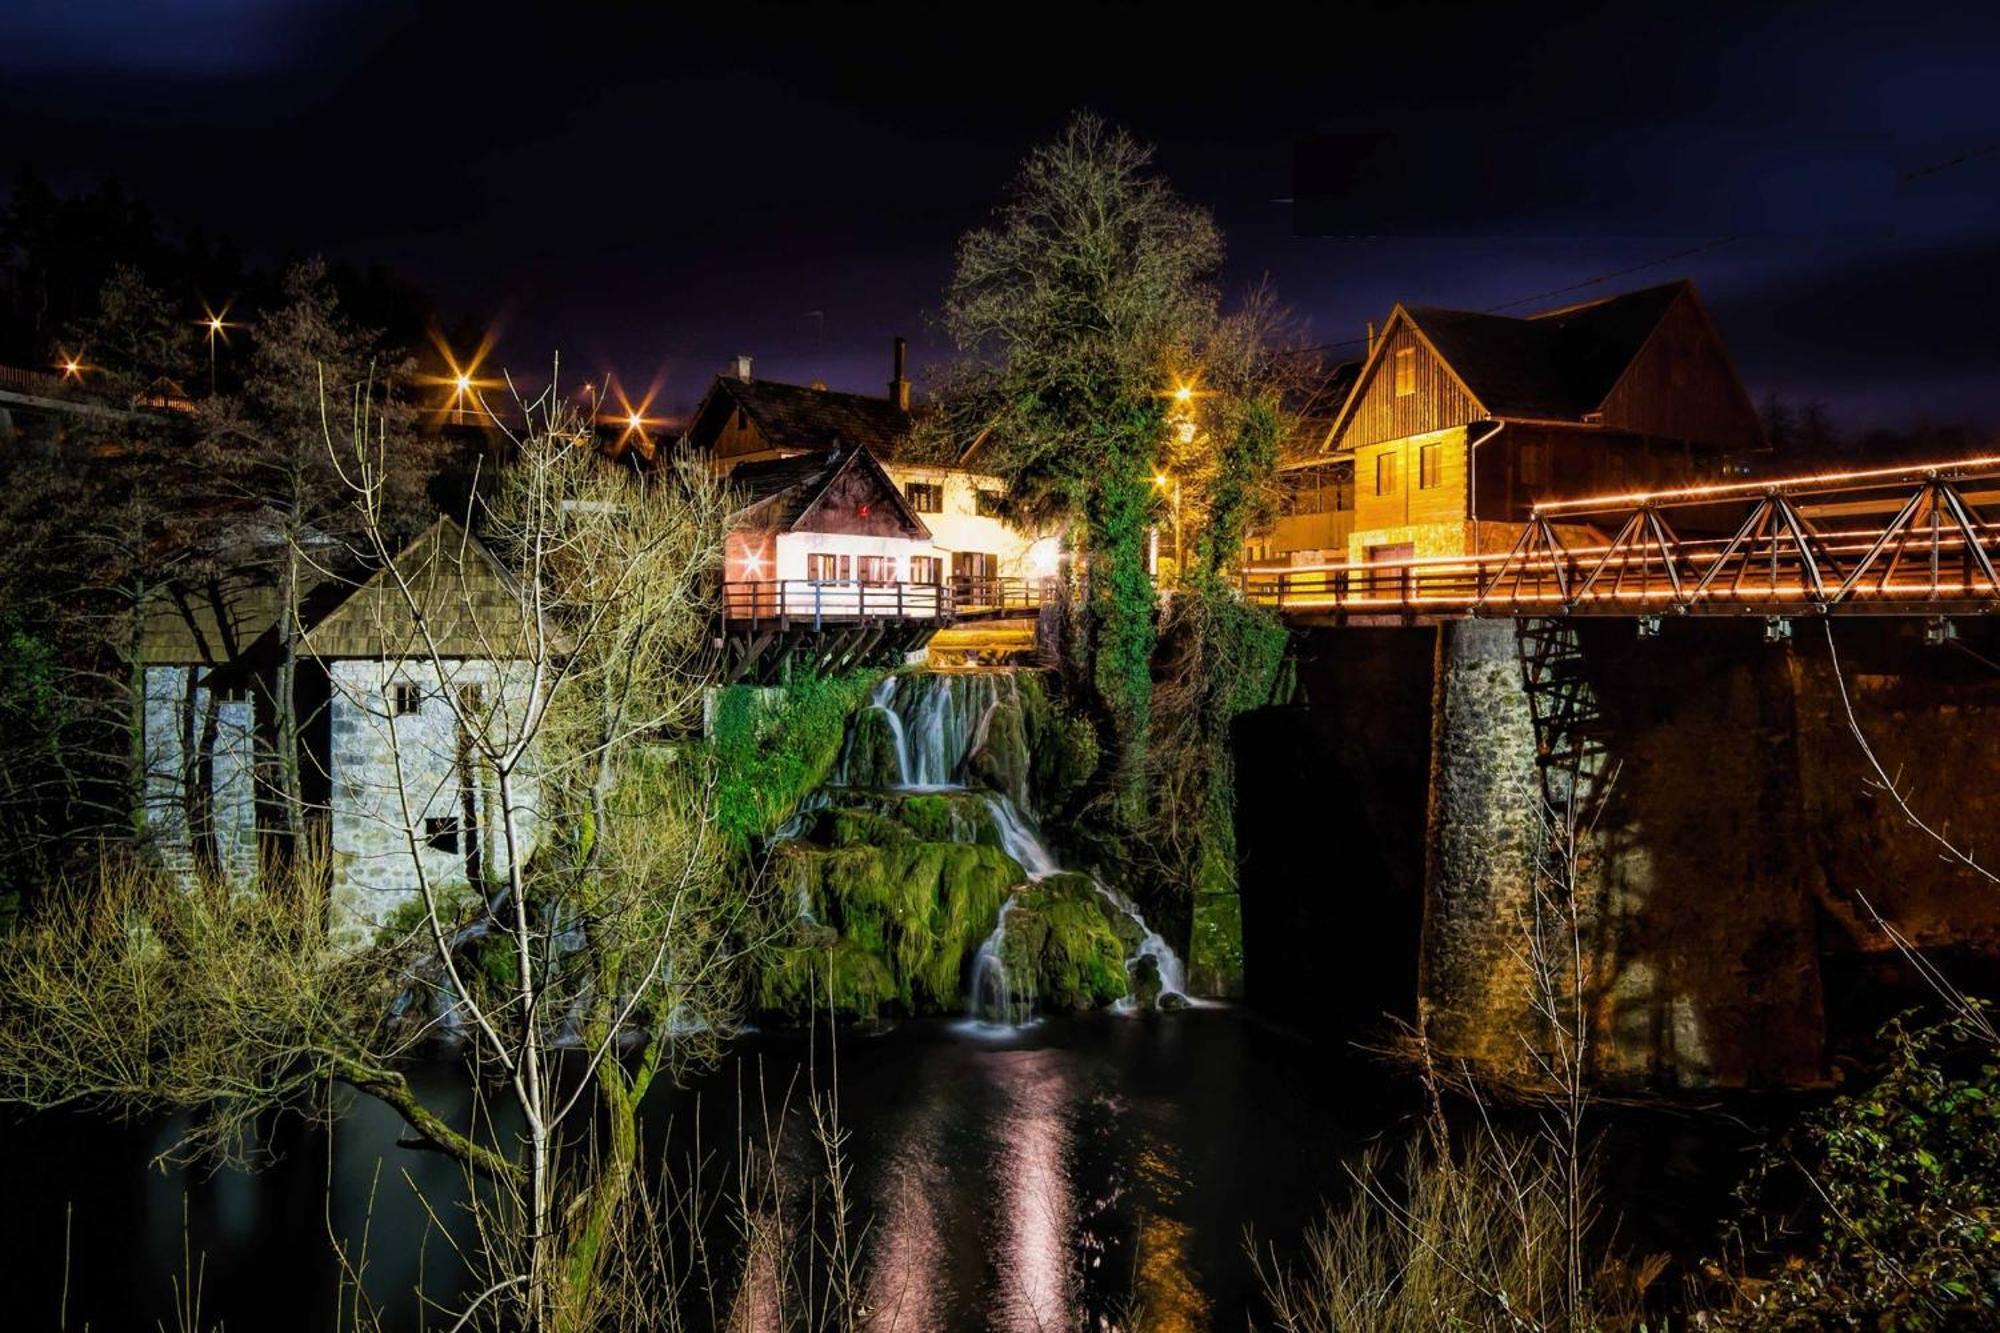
1145	978
920	909
1063	745
948	817
1060	946
872	758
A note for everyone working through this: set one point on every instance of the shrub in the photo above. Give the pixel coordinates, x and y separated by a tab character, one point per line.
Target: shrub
1903	1183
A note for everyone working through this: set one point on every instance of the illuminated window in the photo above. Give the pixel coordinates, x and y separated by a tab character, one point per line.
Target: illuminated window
1430	466
925	497
1385	473
825	568
1406	371
924	569
877	568
405	697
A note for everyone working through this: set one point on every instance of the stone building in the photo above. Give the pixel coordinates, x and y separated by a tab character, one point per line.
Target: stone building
400	678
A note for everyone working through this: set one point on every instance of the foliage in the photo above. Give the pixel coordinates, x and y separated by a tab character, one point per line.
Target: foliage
1904	1189
1071	312
1466	1239
772	748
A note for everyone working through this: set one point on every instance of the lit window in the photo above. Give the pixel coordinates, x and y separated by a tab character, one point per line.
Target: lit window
405	697
1430	466
923	569
1406	371
925	497
1385	473
877	569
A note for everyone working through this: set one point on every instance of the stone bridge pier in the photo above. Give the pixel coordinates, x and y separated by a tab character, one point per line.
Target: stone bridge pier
1732	839
1733	835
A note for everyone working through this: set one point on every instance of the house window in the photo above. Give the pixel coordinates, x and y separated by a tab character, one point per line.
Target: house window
877	568
405	697
742	420
471	700
1385	473
1430	466
926	497
924	569
825	568
974	564
1406	371
987	503
441	835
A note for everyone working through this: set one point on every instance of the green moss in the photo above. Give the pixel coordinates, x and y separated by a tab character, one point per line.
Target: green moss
1063	745
1060	946
918	909
948	817
771	748
872	758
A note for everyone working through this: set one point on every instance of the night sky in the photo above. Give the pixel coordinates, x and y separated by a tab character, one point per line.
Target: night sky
653	194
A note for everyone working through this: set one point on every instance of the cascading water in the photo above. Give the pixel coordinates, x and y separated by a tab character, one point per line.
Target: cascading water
925	733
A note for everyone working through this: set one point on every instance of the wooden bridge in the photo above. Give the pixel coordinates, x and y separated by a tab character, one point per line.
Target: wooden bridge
1892	541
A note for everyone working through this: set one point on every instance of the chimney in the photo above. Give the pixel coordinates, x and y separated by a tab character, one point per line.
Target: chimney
899	387
743	369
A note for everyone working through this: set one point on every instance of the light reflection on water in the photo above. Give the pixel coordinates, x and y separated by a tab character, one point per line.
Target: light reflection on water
1061	1179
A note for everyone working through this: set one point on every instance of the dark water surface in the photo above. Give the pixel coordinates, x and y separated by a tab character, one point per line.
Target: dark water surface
1077	1172
1084	1166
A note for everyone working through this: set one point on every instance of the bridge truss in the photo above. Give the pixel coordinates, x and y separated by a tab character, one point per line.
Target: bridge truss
1904	541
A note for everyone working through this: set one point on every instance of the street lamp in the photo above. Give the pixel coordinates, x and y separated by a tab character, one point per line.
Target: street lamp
214	326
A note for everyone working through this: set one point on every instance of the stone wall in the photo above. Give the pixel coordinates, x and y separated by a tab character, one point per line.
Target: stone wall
404	798
199	744
1733	856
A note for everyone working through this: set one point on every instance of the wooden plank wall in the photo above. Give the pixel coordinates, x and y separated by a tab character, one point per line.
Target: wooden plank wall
1682	386
1383	414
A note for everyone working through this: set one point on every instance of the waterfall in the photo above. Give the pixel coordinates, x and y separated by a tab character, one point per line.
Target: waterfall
1173	977
1018	840
989	994
936	724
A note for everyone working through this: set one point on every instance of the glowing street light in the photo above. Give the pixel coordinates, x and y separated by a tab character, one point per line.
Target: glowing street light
72	368
214	325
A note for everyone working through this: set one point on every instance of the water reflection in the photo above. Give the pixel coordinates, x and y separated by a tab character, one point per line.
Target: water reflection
1035	1273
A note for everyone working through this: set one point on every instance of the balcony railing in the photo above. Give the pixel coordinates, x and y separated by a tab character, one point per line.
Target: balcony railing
974	595
833	601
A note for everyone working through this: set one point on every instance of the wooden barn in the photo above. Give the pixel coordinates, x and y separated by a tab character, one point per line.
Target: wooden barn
1459	421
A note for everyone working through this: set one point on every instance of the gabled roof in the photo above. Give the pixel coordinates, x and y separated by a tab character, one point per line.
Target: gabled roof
793	416
471	606
1557	365
780	494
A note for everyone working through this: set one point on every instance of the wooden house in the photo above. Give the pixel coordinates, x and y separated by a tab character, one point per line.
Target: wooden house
743	421
1458	422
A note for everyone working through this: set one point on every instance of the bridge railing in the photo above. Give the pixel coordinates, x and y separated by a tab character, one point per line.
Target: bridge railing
1892	541
833	601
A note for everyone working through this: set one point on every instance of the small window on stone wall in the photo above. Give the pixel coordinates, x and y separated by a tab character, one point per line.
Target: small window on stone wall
471	700
441	834
405	696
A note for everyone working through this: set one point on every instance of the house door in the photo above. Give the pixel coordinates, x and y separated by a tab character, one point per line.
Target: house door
1391	583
